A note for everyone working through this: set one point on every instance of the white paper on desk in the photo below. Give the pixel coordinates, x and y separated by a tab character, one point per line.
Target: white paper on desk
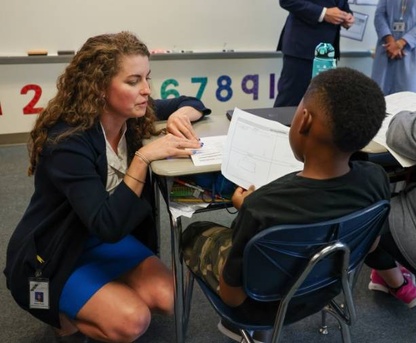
395	103
211	152
401	101
257	151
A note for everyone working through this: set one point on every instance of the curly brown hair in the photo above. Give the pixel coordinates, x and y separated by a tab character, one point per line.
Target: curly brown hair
78	101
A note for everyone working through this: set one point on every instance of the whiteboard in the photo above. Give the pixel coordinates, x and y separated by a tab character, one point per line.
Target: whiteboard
196	25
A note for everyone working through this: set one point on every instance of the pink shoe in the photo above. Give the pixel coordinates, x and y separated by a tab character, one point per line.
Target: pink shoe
377	283
407	273
406	293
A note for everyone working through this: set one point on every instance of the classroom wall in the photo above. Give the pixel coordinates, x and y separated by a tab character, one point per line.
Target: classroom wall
220	84
198	25
195	25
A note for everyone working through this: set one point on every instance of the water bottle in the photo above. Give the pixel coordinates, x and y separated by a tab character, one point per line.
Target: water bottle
324	58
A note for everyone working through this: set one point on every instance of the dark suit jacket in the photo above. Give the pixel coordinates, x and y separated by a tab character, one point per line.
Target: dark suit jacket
70	202
302	32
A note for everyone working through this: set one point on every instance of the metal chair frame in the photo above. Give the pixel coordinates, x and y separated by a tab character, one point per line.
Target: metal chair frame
336	255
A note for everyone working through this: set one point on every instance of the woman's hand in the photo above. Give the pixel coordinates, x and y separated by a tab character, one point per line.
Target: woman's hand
239	195
393	50
180	122
169	146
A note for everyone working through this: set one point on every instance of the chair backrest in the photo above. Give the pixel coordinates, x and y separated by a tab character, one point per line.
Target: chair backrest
275	257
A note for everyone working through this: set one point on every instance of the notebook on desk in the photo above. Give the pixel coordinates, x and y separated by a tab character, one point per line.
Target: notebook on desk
283	115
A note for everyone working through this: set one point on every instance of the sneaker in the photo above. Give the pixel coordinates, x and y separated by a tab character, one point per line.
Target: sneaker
407	292
408	273
378	284
233	332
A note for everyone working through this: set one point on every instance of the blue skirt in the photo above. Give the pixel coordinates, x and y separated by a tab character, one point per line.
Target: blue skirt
99	264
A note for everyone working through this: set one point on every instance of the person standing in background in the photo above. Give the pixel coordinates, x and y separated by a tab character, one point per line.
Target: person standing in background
308	24
395	56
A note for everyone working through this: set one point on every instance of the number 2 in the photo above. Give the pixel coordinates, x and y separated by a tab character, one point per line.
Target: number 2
30	107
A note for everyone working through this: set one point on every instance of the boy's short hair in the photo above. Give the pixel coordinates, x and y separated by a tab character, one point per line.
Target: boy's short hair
354	104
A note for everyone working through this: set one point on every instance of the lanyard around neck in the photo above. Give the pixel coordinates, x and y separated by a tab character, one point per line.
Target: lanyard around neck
403	9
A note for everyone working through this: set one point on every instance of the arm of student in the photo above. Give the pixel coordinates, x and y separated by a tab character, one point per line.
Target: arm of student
245	226
165	107
401	134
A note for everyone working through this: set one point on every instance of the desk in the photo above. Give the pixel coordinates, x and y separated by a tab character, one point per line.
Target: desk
163	170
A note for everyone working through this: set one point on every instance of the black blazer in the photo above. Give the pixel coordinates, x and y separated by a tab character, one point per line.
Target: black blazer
302	31
69	203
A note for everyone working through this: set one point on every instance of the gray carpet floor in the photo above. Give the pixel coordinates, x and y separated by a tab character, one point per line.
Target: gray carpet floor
381	318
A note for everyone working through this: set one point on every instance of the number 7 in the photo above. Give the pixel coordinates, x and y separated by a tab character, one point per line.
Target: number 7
203	81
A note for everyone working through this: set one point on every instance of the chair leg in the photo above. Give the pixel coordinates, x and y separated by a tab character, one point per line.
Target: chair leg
343	325
345	332
324	328
188	292
246	337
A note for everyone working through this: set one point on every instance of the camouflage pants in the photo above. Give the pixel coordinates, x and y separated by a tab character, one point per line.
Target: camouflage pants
205	247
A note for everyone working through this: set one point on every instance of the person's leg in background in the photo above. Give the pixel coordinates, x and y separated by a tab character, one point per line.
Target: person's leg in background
293	81
389	276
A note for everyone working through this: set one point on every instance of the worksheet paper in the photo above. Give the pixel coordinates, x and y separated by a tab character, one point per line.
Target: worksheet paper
211	151
257	151
395	103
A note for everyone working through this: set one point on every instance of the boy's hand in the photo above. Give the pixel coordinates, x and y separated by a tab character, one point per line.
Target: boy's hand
239	196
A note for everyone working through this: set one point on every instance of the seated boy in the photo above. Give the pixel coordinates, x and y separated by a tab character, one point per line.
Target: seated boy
340	113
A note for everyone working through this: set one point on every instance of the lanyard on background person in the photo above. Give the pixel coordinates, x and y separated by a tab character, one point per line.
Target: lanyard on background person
403	9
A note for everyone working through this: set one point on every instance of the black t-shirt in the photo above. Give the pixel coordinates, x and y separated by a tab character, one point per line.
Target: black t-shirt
292	199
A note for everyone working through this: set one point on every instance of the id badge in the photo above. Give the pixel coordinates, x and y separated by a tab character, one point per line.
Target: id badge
39	293
399	26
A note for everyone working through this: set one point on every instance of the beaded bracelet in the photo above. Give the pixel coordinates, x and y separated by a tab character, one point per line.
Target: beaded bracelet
142	157
140	181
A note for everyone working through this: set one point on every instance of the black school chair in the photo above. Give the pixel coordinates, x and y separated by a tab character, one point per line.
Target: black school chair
288	263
